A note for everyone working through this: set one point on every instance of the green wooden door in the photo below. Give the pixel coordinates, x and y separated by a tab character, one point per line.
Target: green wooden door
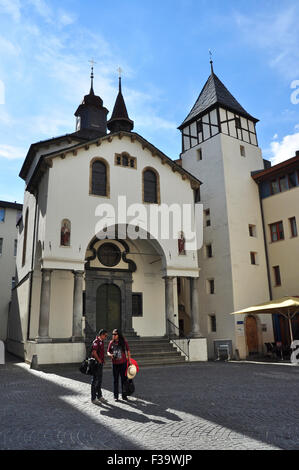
108	307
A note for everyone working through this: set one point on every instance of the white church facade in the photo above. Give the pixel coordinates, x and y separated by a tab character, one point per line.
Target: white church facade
70	282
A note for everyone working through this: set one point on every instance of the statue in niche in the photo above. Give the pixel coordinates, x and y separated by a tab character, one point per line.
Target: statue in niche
181	244
65	233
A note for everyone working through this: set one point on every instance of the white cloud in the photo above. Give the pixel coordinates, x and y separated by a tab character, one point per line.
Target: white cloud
284	149
12	153
11	7
65	18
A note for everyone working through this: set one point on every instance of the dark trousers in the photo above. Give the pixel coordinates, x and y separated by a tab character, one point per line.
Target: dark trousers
119	370
96	383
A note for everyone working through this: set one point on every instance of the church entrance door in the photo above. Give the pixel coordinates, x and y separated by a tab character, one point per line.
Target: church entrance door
108	307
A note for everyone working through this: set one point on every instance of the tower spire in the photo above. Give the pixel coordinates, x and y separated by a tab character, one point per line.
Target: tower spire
91	114
211	61
92	62
119	79
120	120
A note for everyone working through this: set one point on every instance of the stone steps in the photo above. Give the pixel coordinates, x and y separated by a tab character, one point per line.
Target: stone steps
152	351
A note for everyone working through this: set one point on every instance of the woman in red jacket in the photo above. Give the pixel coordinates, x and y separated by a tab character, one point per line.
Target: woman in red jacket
118	350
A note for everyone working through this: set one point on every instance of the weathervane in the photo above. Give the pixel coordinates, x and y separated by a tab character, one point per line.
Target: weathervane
92	62
119	77
211	60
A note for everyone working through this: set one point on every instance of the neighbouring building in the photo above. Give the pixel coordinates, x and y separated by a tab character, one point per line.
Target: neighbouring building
279	194
10	212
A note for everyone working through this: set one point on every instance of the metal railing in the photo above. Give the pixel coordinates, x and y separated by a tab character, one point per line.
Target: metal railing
177	336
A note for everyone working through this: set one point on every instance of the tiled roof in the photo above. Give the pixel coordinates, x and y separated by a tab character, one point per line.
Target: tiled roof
215	92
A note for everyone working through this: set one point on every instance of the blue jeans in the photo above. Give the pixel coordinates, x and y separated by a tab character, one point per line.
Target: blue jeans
96	383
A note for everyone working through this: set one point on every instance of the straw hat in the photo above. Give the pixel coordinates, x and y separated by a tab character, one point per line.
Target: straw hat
131	372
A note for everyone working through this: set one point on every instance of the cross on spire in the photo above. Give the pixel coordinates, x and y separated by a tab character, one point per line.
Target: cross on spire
92	62
119	77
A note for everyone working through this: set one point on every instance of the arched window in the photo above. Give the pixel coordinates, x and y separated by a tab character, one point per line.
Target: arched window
99	178
25	237
150	186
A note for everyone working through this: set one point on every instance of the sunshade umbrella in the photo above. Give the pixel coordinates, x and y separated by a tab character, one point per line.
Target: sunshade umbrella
286	306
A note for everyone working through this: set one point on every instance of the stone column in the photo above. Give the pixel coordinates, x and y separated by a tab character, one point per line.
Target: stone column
195	330
44	312
77	306
169	305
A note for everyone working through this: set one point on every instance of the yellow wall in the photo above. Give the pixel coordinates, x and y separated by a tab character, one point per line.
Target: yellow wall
283	253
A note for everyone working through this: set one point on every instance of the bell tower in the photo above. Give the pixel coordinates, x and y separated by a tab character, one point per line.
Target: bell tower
220	147
91	115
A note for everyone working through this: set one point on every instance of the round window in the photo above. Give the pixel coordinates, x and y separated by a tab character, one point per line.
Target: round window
109	254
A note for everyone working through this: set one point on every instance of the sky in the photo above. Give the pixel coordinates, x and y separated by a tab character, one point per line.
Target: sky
162	46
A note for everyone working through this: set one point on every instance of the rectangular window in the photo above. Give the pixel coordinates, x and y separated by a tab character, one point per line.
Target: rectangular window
238	123
277	277
207	217
2	214
199	126
137	305
292	180
274	187
199	154
211	286
209	250
252	230
253	257
1	245
293	225
277	231
242	151
283	183
196	193
213	326
15	248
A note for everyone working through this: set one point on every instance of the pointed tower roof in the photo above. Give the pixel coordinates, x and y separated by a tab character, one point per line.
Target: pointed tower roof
120	120
215	92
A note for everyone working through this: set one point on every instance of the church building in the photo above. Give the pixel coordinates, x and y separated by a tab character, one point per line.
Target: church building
72	279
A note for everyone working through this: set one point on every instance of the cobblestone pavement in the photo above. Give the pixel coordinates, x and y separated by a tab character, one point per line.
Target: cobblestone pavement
193	406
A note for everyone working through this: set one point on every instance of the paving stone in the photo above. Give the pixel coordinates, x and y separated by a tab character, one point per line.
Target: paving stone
180	407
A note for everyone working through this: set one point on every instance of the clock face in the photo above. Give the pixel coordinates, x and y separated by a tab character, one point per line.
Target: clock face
78	123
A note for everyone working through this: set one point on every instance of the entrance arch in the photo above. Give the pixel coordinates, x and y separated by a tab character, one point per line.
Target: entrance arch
252	335
108	307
